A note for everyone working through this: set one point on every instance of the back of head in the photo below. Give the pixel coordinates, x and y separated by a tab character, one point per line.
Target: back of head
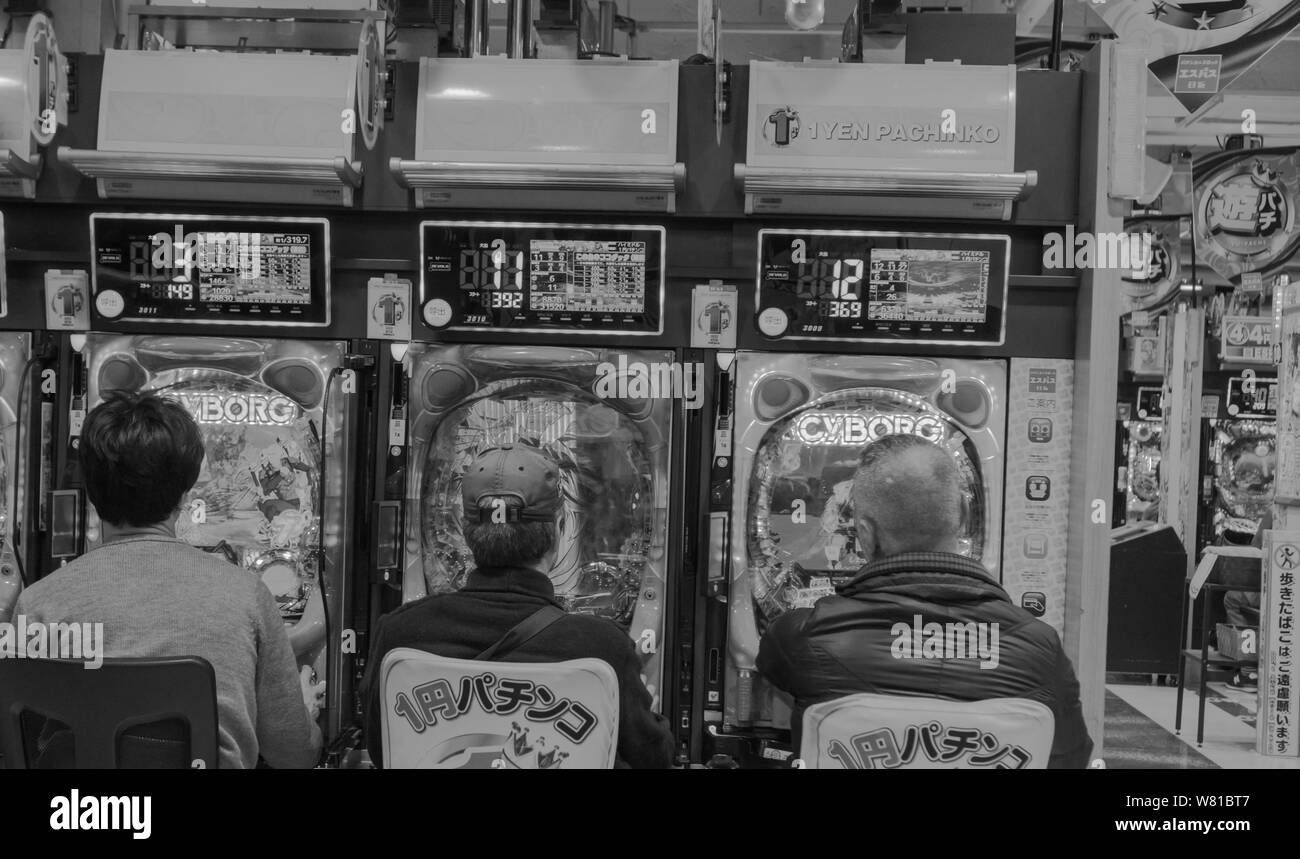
510	496
907	497
139	454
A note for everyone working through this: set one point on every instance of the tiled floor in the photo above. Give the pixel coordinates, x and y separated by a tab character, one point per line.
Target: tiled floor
1140	730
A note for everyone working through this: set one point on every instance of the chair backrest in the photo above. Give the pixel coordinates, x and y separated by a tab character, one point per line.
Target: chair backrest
870	731
99	705
443	713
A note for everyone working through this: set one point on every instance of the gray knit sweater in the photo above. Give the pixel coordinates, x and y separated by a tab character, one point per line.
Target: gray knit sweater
158	597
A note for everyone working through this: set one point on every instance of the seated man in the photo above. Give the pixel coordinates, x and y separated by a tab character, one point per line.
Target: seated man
511	498
908	511
158	597
1242	609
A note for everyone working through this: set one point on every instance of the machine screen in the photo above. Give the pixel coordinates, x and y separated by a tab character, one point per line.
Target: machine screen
882	286
540	276
230	271
1252	397
929	286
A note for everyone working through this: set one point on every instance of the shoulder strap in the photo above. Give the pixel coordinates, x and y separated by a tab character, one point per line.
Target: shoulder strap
523	631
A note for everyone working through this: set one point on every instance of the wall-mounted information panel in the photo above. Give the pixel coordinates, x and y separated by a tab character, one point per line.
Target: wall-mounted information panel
885	286
542	277
211	270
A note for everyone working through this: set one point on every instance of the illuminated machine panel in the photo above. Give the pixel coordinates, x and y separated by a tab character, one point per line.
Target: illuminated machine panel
1142	474
610	441
802	423
542	277
212	271
862	285
1243	453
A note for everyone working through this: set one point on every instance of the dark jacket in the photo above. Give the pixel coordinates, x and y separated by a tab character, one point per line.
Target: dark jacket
843	645
463	624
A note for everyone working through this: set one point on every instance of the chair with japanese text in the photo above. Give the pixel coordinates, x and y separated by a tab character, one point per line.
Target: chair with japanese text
443	713
871	731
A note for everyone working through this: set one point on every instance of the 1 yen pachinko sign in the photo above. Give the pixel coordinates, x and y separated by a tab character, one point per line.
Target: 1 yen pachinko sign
442	713
1279	671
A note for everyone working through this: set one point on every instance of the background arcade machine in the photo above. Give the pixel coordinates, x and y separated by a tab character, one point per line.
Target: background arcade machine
278	416
1246	249
558	333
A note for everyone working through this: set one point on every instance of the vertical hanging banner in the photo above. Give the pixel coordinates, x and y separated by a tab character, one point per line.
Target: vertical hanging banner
1286	479
1198	49
1279	670
1040	403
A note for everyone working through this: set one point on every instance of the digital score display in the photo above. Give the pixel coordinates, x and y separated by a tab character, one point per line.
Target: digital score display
205	270
885	286
1252	397
539	277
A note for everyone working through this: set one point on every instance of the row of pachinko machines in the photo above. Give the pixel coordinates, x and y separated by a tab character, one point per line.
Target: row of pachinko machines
333	463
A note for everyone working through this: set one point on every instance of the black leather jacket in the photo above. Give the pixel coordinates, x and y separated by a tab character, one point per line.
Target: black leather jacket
844	644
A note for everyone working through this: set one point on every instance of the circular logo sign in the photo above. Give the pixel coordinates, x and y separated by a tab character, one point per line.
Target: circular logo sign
773	321
437	313
1155	269
781	126
1246	214
109	303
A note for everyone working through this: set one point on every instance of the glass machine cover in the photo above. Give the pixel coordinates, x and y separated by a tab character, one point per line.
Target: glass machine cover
610	440
1245	457
14	351
260	407
801	425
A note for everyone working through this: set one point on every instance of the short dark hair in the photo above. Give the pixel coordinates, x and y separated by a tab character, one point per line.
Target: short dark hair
508	544
140	453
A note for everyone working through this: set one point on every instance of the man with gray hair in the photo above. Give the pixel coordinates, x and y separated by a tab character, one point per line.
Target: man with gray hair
909	513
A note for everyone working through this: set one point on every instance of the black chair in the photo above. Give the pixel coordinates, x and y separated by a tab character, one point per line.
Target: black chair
1227	574
114	716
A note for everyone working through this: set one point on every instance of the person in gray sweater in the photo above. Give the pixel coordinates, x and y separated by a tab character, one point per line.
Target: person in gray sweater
158	596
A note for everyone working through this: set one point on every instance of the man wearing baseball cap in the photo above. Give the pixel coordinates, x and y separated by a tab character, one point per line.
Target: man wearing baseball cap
511	501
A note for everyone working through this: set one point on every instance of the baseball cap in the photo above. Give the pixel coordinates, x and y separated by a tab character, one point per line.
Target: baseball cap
520	474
